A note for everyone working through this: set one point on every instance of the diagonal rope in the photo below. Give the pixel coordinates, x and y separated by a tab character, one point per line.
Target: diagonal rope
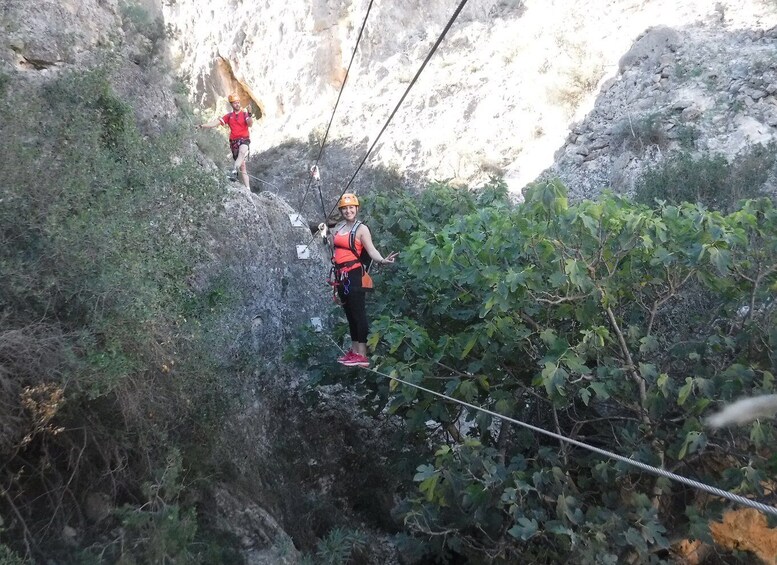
329	125
396	108
741	500
260	180
401	100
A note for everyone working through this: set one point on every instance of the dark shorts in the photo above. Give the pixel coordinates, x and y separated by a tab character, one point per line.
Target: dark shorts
234	145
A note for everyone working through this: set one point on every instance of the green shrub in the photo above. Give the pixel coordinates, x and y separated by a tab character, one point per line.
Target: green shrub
213	144
605	321
751	170
136	19
686	135
707	179
685	178
338	546
639	133
9	557
104	345
159	530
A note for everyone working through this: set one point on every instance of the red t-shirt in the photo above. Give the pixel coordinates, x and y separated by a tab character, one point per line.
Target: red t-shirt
238	124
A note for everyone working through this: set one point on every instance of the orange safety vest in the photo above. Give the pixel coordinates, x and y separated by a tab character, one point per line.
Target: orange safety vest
349	255
346	258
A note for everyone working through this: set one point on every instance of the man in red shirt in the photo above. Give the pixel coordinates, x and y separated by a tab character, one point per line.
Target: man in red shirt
238	121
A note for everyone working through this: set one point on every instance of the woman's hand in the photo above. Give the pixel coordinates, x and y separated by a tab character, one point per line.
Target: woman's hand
391	257
363	234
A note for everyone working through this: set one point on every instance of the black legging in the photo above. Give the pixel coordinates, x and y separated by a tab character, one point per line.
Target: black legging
354	305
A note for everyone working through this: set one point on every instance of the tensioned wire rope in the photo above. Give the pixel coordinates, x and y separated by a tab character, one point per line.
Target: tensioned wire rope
329	125
442	35
445	30
609	454
260	180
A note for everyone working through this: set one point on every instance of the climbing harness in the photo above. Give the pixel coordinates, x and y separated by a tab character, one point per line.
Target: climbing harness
340	273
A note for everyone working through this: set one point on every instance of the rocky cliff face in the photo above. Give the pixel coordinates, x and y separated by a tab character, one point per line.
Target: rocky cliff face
55	34
705	88
281	290
516	88
253	242
509	84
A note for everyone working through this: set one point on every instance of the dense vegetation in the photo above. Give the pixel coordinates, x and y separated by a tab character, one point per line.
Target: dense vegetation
605	321
616	323
709	179
109	386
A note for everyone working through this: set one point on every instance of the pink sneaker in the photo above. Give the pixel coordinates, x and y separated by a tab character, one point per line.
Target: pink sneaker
356	360
343	358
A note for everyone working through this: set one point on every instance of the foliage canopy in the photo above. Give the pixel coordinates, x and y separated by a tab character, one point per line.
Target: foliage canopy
605	321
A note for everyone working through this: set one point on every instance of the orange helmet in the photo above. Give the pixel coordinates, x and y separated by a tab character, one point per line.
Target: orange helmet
348	199
233	98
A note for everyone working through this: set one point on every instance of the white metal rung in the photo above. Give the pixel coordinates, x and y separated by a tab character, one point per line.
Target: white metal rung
303	252
296	220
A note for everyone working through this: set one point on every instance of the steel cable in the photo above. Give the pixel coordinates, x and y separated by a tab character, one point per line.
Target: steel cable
771	510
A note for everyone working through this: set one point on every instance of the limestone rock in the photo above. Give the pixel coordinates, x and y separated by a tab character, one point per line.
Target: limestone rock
690	114
651	48
506	71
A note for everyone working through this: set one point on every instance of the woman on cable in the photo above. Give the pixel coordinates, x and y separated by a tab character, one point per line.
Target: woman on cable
351	240
238	122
